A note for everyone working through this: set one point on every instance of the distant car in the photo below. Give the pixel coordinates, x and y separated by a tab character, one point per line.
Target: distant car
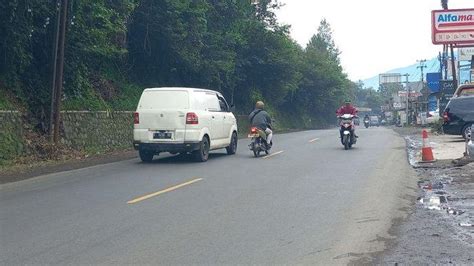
183	120
459	116
374	120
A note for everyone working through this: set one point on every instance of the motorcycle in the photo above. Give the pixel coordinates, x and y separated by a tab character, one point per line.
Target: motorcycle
347	130
366	123
258	141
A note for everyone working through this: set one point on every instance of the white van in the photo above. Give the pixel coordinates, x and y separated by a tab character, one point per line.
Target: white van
183	120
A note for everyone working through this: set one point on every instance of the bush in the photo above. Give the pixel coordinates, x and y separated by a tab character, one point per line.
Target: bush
437	127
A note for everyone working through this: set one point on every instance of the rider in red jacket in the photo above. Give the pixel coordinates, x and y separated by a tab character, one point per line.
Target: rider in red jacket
347	108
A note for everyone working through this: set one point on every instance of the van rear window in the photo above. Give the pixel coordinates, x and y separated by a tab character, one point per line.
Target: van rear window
164	100
469	91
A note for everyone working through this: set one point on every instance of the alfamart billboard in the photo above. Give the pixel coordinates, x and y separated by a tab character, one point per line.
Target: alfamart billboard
454	26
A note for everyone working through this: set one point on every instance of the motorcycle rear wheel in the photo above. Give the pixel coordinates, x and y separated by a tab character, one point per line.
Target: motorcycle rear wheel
256	152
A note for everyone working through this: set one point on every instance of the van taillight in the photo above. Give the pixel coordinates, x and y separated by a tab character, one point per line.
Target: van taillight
136	118
446	117
192	119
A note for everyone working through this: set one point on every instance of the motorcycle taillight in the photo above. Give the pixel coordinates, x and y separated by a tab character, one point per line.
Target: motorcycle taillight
253	130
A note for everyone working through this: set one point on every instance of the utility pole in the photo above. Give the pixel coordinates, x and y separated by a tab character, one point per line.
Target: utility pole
453	65
408	95
60	70
53	80
421	67
472	69
420	105
444	4
445	61
440	59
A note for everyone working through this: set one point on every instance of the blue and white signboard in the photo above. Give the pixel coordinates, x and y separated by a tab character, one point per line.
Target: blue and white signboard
433	81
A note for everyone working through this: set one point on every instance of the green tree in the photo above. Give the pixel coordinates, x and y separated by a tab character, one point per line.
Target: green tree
324	85
95	47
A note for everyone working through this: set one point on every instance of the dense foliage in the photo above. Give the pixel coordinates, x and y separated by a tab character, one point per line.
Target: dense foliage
115	48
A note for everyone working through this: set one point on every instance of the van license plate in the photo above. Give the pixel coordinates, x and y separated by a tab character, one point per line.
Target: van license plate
162	135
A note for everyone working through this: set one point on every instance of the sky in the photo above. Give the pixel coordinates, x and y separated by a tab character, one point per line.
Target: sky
374	36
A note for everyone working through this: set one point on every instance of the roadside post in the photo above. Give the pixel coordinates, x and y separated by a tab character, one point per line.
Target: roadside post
469	145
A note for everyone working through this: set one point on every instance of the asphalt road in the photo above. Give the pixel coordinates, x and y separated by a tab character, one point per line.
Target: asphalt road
311	202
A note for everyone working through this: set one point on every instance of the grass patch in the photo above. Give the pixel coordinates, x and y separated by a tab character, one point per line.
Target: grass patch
4	102
7	101
89	100
11	146
128	98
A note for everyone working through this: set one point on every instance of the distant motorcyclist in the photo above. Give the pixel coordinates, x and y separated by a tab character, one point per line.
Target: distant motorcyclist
261	119
366	121
347	108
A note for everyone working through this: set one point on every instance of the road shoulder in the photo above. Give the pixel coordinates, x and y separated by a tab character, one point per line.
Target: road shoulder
383	203
22	172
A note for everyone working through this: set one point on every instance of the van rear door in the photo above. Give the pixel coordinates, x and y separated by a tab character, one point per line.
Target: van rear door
163	114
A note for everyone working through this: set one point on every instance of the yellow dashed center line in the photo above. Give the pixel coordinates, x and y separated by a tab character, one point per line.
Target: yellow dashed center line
145	197
273	154
313	140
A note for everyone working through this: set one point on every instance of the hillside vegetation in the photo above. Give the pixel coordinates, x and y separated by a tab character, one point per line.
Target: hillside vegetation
116	48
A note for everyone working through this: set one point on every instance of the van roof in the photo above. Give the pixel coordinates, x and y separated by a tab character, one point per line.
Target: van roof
178	89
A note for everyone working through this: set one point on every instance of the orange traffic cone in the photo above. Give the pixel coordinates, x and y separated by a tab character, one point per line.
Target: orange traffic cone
426	151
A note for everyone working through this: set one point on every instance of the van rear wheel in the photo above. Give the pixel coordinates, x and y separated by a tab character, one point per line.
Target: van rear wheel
202	154
146	156
232	148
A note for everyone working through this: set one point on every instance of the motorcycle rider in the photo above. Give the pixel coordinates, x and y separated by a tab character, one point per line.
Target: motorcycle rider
366	118
261	119
347	108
